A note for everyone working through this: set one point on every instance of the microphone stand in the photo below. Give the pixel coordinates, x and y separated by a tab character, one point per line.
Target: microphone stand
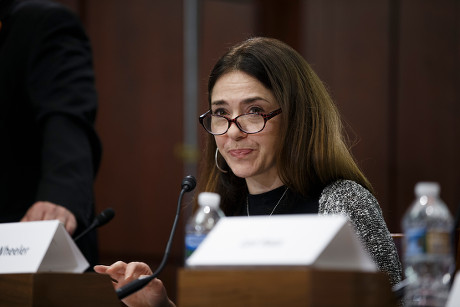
139	283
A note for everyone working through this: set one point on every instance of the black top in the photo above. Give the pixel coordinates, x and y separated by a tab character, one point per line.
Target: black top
290	203
49	148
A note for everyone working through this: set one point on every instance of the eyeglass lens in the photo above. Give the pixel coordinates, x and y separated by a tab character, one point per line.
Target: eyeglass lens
249	123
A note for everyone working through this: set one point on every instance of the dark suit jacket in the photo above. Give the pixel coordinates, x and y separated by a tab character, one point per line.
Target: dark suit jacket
48	146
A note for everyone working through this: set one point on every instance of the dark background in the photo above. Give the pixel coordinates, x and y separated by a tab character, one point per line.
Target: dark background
391	66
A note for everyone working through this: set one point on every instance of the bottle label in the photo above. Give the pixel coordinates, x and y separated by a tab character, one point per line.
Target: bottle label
438	242
192	241
415	241
420	241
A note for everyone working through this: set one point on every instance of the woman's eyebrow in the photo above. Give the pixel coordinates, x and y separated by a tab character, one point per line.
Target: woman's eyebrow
252	99
244	101
218	102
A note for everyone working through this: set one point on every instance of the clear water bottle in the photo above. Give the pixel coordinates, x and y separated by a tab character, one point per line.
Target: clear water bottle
428	258
201	223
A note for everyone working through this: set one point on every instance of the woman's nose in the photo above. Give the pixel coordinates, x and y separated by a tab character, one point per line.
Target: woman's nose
235	132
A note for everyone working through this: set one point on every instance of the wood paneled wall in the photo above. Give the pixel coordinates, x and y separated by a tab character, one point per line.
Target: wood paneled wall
393	70
391	66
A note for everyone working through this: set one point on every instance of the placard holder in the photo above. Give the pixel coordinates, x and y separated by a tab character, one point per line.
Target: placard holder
454	294
281	286
57	289
323	242
38	246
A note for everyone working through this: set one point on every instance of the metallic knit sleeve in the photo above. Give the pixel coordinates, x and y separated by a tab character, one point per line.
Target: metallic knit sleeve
348	198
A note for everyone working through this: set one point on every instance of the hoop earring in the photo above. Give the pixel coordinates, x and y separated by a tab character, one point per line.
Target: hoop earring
217	164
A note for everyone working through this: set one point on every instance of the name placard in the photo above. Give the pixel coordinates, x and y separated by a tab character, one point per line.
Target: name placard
327	242
454	295
41	246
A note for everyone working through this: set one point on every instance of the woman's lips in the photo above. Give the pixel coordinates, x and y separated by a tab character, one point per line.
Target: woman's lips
240	153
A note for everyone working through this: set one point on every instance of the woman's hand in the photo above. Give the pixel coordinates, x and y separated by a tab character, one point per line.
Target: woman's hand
152	295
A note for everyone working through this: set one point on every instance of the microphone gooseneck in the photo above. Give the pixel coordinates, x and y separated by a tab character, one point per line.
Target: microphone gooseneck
101	219
188	184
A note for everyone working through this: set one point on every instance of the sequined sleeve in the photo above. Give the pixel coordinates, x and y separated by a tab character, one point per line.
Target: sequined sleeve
348	198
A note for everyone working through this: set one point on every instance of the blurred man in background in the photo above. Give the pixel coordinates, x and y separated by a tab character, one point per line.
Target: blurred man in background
49	150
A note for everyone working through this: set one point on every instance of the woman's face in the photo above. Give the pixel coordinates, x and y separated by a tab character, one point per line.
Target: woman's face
250	156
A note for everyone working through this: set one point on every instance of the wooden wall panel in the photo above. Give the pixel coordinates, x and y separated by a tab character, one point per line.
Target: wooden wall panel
428	110
393	70
347	44
138	63
280	20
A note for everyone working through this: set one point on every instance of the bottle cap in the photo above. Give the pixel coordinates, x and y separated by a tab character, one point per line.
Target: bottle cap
427	188
209	199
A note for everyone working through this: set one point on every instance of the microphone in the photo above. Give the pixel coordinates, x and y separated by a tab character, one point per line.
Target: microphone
188	184
103	218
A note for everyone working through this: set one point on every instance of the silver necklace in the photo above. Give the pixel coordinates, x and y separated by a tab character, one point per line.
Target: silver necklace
274	208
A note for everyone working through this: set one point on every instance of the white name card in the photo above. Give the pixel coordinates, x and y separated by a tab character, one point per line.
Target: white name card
454	294
42	246
327	242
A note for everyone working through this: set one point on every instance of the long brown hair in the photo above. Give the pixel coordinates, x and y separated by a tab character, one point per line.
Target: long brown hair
313	152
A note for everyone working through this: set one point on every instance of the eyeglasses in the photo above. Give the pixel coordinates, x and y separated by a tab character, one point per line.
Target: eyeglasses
249	123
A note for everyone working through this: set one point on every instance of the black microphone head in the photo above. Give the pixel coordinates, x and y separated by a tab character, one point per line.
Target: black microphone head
188	183
105	216
101	219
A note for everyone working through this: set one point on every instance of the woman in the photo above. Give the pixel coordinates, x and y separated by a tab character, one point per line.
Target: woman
275	146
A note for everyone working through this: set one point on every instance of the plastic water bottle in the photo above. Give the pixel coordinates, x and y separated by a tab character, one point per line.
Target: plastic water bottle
428	258
201	223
